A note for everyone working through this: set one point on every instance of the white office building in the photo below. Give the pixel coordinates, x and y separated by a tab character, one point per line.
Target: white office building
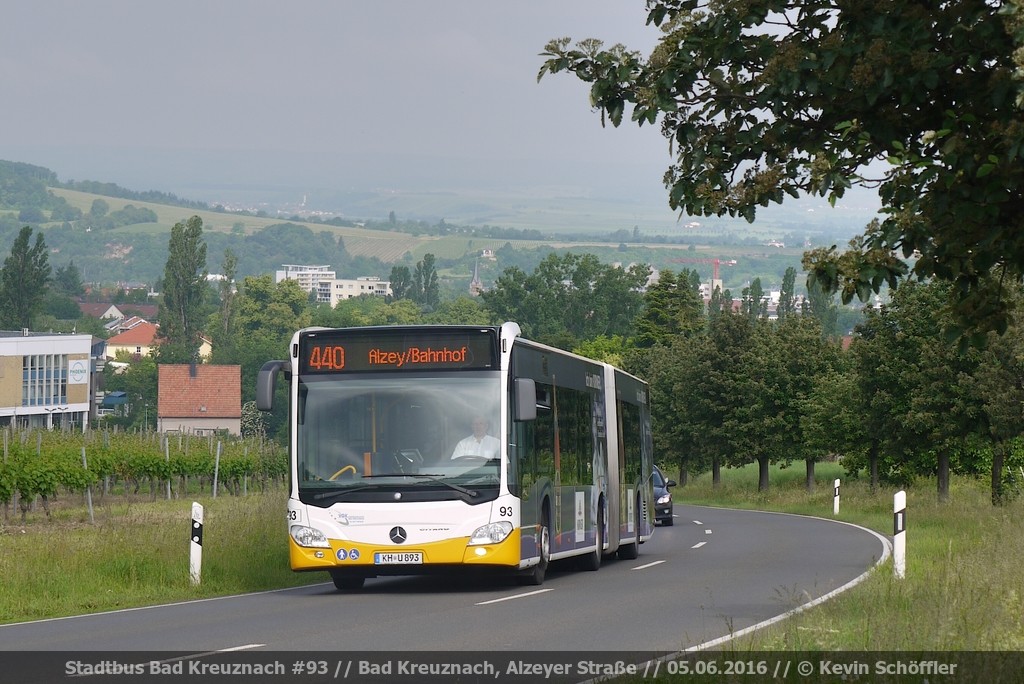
328	288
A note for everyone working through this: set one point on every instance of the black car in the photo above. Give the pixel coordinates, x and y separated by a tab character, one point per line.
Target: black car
662	498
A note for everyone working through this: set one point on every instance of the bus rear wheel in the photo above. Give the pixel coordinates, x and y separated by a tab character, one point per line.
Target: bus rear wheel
632	550
592	561
344	582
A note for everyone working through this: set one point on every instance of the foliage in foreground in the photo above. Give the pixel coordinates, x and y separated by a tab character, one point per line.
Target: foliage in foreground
761	101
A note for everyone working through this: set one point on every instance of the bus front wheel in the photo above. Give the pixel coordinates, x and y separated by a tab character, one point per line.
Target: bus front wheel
535	575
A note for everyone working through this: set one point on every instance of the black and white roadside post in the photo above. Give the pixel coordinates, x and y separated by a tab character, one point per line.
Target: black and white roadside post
899	534
835	498
88	489
195	561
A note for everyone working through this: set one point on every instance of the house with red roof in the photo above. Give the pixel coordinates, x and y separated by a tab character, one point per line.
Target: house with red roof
101	310
138	340
199	398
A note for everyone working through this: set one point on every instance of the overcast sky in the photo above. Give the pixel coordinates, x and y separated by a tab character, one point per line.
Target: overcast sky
431	93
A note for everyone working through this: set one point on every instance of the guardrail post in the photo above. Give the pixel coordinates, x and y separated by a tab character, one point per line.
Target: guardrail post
196	544
899	534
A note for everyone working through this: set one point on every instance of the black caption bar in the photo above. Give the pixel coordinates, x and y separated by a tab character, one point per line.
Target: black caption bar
131	667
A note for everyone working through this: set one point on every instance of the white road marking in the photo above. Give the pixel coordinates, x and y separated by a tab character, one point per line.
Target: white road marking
707	531
649	565
695	522
698	545
515	596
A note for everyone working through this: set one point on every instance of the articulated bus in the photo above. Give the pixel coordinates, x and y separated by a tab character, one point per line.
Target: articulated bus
423	449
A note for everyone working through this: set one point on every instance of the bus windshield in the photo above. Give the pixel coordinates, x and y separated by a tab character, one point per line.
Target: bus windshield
428	437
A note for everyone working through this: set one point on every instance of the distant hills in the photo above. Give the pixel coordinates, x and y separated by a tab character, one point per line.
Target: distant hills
114	234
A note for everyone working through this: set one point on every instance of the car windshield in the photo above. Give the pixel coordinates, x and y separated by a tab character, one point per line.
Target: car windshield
365	435
659	481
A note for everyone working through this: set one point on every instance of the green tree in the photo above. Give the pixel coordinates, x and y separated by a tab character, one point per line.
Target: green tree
800	357
184	293
945	417
267	314
99	208
680	431
880	399
425	288
820	304
222	322
611	350
401	282
999	385
831	423
753	303
720	384
921	413
67	280
569	299
139	381
24	280
462	310
764	99
31	215
787	294
60	307
671	307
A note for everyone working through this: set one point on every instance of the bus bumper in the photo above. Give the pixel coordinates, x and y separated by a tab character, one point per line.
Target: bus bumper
445	553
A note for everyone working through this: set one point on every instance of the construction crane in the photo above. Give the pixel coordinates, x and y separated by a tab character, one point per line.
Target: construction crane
715	262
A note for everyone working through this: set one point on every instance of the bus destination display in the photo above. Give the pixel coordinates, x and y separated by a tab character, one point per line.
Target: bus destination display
339	354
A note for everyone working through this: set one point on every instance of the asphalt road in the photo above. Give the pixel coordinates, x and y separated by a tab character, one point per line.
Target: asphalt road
712	574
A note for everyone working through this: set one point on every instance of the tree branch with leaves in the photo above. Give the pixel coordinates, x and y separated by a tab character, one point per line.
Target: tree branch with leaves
760	99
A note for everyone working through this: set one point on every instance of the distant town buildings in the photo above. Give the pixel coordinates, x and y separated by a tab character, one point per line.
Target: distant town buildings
199	398
49	380
330	289
476	286
308	277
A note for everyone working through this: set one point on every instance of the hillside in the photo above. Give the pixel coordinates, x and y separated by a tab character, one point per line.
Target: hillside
125	238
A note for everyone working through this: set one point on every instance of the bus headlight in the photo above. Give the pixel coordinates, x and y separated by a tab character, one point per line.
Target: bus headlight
308	536
491	533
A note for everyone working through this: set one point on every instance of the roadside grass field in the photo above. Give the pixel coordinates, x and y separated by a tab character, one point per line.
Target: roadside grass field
962	590
137	553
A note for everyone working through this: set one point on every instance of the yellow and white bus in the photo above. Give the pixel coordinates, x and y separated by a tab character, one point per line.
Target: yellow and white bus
422	449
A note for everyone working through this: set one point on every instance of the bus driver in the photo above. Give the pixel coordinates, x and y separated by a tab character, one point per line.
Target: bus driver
479	443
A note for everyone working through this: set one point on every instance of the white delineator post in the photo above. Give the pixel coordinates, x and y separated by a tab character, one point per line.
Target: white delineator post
195	561
899	534
835	498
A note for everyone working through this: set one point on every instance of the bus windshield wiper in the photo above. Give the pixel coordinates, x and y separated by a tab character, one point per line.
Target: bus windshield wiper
338	493
341	492
437	479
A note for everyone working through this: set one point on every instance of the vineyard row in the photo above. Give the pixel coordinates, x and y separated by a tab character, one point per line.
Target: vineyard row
40	464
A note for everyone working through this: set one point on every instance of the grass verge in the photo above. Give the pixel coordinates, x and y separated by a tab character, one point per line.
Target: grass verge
962	590
137	554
